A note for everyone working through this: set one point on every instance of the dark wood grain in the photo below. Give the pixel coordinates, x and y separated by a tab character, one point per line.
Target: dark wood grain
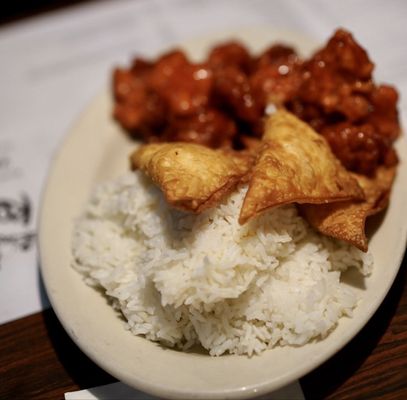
38	360
374	364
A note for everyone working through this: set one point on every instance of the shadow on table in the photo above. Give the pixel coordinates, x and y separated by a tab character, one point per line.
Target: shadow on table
331	375
83	372
43	293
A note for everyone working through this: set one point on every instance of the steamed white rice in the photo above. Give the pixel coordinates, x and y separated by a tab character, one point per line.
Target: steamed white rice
184	279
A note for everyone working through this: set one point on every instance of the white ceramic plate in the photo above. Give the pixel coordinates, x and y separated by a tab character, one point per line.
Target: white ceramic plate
96	150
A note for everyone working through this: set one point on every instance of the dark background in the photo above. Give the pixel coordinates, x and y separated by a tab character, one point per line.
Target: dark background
16	9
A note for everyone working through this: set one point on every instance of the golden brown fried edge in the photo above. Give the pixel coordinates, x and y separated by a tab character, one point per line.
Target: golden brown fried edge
192	177
346	220
295	165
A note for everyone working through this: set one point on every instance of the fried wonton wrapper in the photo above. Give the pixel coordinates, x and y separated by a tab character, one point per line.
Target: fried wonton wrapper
192	177
295	165
243	159
346	220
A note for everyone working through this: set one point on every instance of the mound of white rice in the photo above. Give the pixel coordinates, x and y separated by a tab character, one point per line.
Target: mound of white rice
185	279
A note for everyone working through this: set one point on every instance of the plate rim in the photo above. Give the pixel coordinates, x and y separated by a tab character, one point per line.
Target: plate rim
156	389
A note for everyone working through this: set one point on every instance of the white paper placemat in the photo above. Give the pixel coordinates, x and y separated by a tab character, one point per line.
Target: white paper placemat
54	64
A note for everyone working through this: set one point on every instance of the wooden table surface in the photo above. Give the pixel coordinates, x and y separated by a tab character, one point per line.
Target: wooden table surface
39	361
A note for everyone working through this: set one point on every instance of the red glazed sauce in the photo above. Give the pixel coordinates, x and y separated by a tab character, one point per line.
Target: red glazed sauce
221	102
